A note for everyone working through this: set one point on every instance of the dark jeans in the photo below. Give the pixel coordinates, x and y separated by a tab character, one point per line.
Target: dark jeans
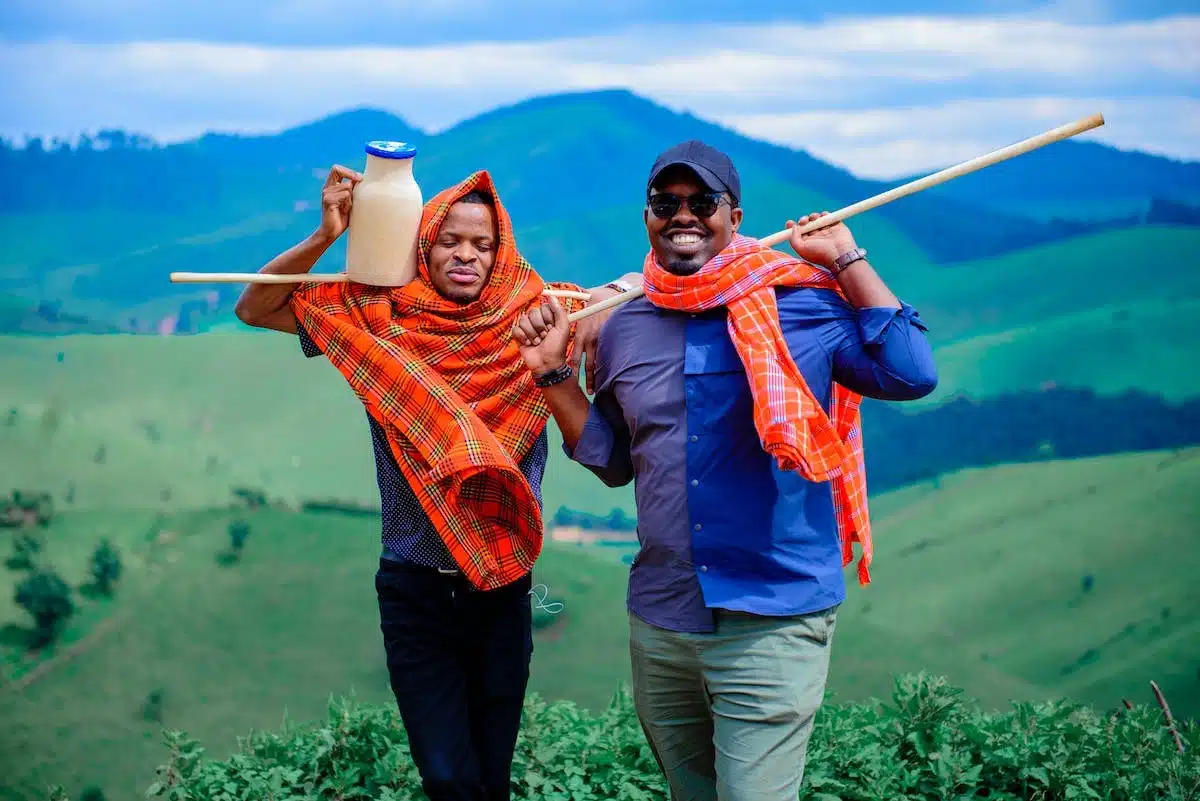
459	665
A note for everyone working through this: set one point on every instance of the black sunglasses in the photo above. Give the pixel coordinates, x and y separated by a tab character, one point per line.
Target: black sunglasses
664	205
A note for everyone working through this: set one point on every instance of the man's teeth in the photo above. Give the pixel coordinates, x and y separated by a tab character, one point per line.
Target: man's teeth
685	239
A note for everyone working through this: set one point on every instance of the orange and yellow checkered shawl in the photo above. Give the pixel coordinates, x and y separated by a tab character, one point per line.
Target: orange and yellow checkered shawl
793	427
447	383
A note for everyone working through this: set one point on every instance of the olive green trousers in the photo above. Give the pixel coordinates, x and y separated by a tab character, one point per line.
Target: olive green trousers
729	714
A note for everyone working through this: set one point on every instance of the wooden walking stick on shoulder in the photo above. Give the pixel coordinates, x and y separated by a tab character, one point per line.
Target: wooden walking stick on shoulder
940	177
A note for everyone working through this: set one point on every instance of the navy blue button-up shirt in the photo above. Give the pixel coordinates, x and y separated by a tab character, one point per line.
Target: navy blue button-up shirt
719	525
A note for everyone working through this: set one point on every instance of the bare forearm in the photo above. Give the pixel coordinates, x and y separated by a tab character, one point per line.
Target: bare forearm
864	288
570	408
266	305
604	291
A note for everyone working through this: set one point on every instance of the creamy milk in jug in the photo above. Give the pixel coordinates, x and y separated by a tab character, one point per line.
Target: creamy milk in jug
385	214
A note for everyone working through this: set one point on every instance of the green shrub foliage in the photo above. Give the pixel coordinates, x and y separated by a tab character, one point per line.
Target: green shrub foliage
105	567
925	743
47	599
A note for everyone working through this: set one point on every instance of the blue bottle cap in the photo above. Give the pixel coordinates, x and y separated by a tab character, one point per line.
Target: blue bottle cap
391	150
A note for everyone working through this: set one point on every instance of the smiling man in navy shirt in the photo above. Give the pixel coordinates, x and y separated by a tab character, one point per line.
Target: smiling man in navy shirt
734	592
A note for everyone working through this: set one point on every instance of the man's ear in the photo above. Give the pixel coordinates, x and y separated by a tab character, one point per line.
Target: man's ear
736	216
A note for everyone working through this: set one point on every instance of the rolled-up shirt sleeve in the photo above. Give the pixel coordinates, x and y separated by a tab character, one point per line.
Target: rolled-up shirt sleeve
886	354
604	445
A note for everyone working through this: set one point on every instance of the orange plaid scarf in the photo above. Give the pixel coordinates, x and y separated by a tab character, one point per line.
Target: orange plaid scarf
790	421
447	383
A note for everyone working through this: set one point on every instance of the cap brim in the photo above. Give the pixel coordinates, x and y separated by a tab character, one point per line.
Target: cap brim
706	176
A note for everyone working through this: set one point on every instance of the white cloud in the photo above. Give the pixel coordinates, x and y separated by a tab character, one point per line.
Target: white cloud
831	87
890	142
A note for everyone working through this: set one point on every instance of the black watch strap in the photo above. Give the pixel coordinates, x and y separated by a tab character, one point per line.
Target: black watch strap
549	379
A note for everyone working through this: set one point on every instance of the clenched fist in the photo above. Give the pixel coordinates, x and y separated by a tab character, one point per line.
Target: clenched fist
822	246
543	333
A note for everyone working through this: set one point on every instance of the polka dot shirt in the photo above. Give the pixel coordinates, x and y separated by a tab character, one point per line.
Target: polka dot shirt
408	534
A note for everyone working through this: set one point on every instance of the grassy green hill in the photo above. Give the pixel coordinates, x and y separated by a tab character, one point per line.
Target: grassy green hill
1016	582
1151	346
1001	556
147	422
1089	312
187	410
978	577
1025	288
248	645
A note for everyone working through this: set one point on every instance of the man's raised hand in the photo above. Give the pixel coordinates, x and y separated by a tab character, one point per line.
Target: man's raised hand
336	198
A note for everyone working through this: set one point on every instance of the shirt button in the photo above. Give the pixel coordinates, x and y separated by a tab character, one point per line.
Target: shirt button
693	438
695	483
703	568
697	527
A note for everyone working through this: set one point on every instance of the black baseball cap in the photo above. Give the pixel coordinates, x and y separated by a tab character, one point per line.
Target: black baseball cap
714	168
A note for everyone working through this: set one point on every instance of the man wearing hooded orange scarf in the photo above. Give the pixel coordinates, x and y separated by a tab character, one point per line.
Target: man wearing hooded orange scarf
458	428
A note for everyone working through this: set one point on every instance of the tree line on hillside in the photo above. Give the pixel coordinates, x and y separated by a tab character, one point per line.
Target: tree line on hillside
616	520
113	167
905	447
26	316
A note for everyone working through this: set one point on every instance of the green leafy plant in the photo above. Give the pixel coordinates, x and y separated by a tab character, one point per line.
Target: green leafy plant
27	509
105	568
249	497
47	599
238	531
925	743
26	545
152	707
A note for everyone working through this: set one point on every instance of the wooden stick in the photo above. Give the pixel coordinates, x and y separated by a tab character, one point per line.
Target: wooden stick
257	278
1162	702
940	177
567	293
324	278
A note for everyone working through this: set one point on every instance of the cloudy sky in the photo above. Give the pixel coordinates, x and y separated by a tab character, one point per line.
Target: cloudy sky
883	87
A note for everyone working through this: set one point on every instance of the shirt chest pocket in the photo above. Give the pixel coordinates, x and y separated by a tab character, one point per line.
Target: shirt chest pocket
716	392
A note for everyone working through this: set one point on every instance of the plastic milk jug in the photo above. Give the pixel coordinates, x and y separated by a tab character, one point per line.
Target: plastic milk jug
385	216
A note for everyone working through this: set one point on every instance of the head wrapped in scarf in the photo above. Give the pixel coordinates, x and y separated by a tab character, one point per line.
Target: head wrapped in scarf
447	383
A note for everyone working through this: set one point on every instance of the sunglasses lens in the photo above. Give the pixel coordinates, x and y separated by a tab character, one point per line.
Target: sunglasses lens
664	206
703	205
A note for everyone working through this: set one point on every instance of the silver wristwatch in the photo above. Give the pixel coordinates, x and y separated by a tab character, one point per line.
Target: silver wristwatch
846	259
619	285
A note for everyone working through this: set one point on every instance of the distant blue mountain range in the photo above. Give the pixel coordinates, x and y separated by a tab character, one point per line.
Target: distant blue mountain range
571	168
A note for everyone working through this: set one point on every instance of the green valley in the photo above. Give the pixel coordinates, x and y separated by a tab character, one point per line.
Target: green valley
217	649
1034	519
